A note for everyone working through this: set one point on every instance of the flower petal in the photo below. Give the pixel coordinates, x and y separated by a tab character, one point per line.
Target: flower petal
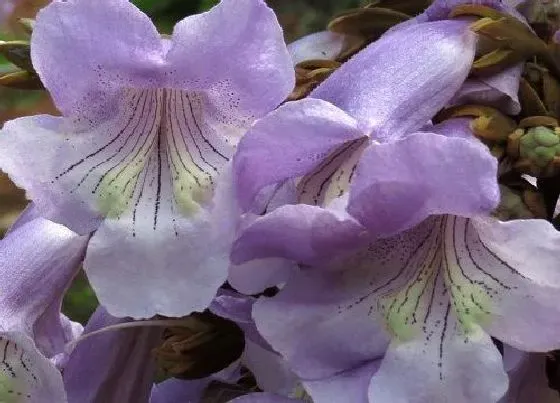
310	304
288	143
440	9
432	358
264	398
528	382
237	51
441	365
498	90
413	73
350	386
324	45
84	51
397	185
306	234
511	270
271	372
178	390
255	276
26	375
38	259
116	366
175	263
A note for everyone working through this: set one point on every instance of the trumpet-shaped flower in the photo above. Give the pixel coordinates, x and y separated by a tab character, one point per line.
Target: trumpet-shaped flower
373	106
142	153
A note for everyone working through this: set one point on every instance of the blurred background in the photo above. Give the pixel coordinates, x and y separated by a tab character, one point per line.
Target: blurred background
298	17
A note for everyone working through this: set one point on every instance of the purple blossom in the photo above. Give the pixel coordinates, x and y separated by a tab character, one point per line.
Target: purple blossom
142	153
399	256
38	260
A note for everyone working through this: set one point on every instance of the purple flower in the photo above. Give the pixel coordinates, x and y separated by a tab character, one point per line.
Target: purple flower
38	260
141	155
327	150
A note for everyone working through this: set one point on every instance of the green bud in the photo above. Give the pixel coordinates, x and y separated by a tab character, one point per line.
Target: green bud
545	136
540	145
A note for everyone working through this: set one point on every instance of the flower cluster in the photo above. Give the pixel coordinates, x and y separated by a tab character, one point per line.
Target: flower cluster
350	218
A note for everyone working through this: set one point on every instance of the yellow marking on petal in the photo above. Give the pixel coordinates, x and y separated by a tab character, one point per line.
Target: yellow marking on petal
116	190
473	306
11	390
189	195
402	311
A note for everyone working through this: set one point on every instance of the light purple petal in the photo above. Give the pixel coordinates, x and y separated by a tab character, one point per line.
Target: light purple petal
38	262
271	371
324	45
528	382
264	398
59	200
351	386
498	90
85	51
306	234
178	390
397	185
236	51
312	303
556	37
441	363
117	366
257	275
511	269
398	83
26	374
175	263
440	9
456	127
288	143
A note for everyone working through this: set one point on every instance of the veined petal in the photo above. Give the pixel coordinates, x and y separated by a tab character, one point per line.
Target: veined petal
288	143
303	233
315	302
324	45
37	263
236	51
510	270
176	263
26	376
398	184
84	51
117	366
442	363
153	171
350	386
398	83
498	90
